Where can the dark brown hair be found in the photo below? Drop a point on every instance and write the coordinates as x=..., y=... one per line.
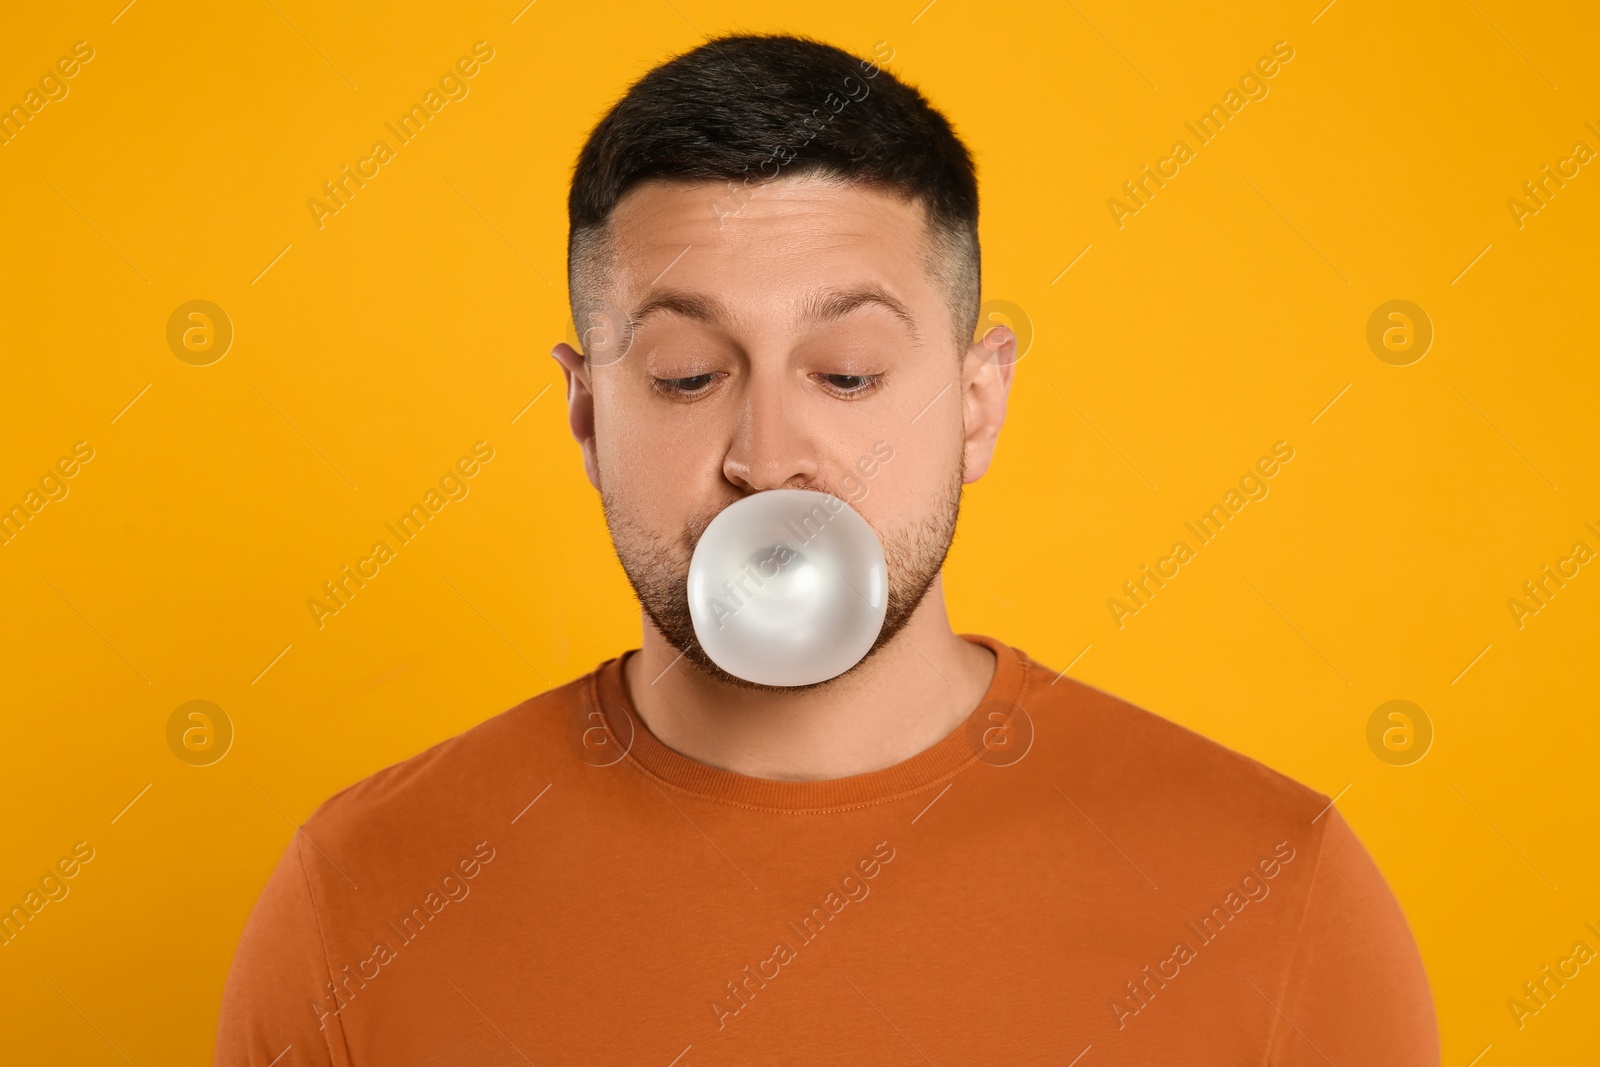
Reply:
x=748, y=108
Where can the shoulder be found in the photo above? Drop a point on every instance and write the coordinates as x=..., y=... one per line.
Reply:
x=1162, y=779
x=453, y=786
x=1214, y=827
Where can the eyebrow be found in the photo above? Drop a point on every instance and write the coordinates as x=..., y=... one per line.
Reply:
x=820, y=306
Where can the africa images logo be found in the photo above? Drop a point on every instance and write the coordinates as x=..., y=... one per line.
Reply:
x=452, y=887
x=1142, y=991
x=853, y=888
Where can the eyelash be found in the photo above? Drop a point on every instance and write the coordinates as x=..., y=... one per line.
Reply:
x=674, y=387
x=871, y=383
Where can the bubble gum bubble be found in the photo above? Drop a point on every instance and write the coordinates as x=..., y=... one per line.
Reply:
x=788, y=587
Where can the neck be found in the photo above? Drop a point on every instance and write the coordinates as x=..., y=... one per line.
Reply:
x=907, y=696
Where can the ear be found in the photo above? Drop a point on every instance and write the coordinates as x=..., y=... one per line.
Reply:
x=580, y=406
x=985, y=384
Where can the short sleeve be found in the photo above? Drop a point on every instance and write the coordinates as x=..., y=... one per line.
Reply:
x=1356, y=990
x=276, y=997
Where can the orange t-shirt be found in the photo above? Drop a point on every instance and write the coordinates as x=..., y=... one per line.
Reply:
x=1065, y=879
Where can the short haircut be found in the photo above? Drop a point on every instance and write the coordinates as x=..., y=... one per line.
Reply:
x=743, y=108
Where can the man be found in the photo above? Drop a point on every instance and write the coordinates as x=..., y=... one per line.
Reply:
x=949, y=854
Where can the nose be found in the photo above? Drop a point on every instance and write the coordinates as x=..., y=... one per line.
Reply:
x=772, y=448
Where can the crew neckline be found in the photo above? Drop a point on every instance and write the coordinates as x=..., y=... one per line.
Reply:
x=945, y=758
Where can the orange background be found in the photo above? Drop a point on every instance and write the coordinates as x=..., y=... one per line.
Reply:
x=370, y=354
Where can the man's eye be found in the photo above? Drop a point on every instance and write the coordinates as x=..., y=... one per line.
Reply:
x=852, y=384
x=683, y=386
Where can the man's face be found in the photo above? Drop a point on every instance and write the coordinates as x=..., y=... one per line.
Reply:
x=795, y=344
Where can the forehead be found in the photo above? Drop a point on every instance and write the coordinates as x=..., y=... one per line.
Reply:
x=766, y=250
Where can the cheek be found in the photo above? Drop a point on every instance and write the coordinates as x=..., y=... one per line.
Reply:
x=655, y=469
x=913, y=488
x=632, y=445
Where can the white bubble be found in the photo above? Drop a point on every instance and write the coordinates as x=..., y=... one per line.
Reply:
x=788, y=587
